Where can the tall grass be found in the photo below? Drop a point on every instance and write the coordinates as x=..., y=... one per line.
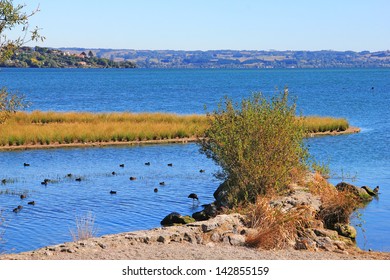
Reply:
x=65, y=128
x=314, y=124
x=81, y=127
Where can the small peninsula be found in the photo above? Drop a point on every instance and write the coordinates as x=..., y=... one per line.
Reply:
x=38, y=57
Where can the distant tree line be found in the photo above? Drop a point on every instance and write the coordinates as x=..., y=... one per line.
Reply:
x=38, y=57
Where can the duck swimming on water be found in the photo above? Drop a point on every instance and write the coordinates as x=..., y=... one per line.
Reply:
x=193, y=196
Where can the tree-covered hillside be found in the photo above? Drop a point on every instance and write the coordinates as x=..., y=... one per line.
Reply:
x=38, y=57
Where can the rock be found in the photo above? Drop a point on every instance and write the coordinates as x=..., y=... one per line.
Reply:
x=215, y=237
x=199, y=239
x=359, y=192
x=221, y=195
x=339, y=244
x=370, y=191
x=321, y=232
x=325, y=243
x=176, y=238
x=226, y=240
x=209, y=211
x=189, y=238
x=200, y=216
x=209, y=226
x=237, y=240
x=346, y=230
x=304, y=243
x=176, y=218
x=162, y=239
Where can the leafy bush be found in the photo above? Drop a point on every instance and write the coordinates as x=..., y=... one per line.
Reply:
x=258, y=143
x=10, y=103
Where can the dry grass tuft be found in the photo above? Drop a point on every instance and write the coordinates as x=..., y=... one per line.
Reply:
x=85, y=227
x=274, y=228
x=337, y=206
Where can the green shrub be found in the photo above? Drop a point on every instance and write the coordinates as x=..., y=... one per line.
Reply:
x=257, y=143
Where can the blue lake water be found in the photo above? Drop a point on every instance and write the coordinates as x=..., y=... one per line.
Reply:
x=360, y=95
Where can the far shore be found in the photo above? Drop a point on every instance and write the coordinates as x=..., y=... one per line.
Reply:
x=350, y=130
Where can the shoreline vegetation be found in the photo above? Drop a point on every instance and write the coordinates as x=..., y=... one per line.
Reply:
x=37, y=129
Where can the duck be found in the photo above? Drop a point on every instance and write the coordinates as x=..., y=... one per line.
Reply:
x=31, y=202
x=23, y=196
x=112, y=192
x=121, y=165
x=4, y=181
x=113, y=173
x=162, y=183
x=202, y=171
x=69, y=175
x=193, y=196
x=170, y=164
x=45, y=182
x=26, y=164
x=17, y=209
x=155, y=189
x=147, y=163
x=78, y=179
x=132, y=178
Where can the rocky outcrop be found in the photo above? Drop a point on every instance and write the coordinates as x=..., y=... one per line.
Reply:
x=364, y=193
x=229, y=229
x=346, y=230
x=209, y=211
x=371, y=192
x=175, y=218
x=232, y=229
x=221, y=195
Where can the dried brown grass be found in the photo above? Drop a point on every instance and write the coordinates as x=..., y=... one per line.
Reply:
x=275, y=229
x=337, y=206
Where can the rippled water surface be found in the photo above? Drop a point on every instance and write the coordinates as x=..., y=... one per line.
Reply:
x=360, y=95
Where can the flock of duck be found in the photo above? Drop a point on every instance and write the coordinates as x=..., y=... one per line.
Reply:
x=45, y=182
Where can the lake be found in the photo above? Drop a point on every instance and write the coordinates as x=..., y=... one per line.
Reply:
x=360, y=95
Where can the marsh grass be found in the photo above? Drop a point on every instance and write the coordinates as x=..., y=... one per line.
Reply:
x=66, y=128
x=43, y=128
x=85, y=227
x=314, y=124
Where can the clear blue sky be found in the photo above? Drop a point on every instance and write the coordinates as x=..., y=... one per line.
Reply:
x=215, y=24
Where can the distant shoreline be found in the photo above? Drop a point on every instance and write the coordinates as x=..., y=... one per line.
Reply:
x=185, y=140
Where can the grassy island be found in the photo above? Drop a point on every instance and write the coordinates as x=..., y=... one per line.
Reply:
x=45, y=128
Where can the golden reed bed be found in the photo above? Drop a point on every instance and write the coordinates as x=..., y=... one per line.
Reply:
x=42, y=129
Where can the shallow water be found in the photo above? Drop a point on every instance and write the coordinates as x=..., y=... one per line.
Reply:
x=360, y=95
x=134, y=206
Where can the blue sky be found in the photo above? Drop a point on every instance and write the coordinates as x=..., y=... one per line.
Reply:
x=215, y=24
